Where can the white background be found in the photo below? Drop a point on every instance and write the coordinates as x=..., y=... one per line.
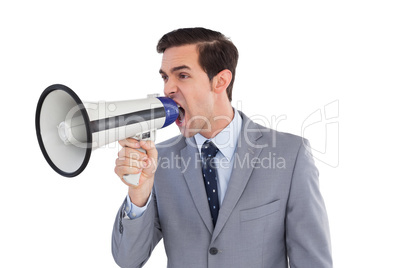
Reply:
x=296, y=57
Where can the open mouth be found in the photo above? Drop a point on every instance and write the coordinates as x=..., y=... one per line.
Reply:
x=182, y=113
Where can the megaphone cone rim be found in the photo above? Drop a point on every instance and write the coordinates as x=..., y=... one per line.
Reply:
x=88, y=151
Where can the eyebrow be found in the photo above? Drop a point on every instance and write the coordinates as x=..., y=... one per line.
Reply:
x=175, y=69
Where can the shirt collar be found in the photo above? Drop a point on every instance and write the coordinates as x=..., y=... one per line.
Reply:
x=226, y=140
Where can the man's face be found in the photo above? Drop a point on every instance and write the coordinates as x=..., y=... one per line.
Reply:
x=189, y=86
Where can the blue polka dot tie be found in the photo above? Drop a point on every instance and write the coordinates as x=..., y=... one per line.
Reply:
x=208, y=152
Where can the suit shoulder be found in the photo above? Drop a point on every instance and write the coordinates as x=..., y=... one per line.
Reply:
x=282, y=138
x=172, y=144
x=171, y=141
x=269, y=136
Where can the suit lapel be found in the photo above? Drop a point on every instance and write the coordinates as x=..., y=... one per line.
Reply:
x=241, y=172
x=191, y=169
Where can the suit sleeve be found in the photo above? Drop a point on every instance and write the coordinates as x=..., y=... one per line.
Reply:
x=307, y=228
x=133, y=240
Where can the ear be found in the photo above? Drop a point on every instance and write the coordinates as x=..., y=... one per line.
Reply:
x=221, y=81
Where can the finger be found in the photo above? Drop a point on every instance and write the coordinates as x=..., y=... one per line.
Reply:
x=124, y=170
x=124, y=161
x=130, y=142
x=150, y=148
x=152, y=153
x=131, y=153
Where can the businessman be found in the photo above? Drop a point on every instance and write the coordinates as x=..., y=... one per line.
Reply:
x=227, y=192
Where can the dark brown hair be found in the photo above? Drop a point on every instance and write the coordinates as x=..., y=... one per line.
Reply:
x=215, y=51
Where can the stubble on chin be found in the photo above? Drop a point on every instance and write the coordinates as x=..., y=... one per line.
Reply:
x=197, y=124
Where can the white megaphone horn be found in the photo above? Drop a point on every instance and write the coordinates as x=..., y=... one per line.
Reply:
x=68, y=130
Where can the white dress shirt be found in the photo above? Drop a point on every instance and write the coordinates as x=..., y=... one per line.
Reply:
x=226, y=141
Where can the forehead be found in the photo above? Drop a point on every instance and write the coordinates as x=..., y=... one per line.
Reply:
x=178, y=56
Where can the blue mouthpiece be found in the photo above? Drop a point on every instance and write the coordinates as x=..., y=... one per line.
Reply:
x=171, y=110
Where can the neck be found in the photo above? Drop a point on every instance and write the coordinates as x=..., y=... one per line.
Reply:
x=221, y=118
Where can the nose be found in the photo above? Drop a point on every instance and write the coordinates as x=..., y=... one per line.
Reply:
x=170, y=88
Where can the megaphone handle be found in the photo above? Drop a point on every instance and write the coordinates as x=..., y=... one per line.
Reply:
x=134, y=179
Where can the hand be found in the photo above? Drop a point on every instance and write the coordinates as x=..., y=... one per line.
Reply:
x=133, y=161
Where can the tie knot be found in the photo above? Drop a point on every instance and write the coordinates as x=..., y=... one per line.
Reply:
x=209, y=150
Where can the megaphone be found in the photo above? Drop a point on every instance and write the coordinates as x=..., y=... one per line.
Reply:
x=68, y=130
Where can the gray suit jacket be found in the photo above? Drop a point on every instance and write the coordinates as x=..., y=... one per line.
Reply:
x=272, y=215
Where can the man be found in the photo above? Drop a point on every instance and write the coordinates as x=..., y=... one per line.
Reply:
x=234, y=209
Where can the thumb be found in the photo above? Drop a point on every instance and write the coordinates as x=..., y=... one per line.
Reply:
x=152, y=154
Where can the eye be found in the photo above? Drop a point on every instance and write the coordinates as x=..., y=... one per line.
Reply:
x=164, y=77
x=183, y=76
